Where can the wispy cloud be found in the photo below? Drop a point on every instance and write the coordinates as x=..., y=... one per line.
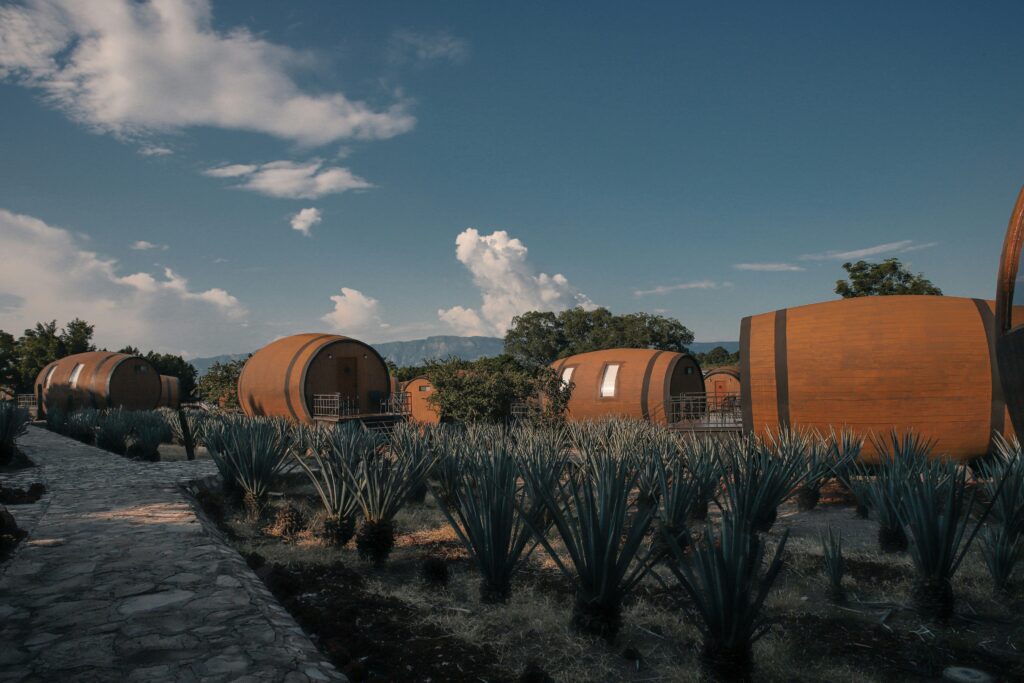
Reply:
x=666, y=289
x=406, y=45
x=769, y=267
x=143, y=245
x=887, y=248
x=155, y=151
x=134, y=68
x=291, y=179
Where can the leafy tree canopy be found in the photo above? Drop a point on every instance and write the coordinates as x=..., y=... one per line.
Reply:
x=540, y=337
x=220, y=383
x=486, y=389
x=717, y=357
x=881, y=279
x=22, y=360
x=172, y=366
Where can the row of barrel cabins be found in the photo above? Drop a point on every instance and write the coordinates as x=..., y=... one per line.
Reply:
x=871, y=365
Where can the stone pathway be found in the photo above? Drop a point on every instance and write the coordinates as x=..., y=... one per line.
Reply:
x=119, y=580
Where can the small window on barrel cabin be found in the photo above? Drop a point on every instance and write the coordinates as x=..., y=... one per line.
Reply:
x=424, y=387
x=74, y=375
x=611, y=373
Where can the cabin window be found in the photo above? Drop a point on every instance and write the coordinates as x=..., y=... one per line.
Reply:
x=689, y=371
x=424, y=387
x=49, y=376
x=74, y=375
x=567, y=375
x=611, y=373
x=141, y=369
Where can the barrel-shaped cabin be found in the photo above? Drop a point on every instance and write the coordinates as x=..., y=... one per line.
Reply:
x=660, y=386
x=876, y=364
x=312, y=376
x=170, y=392
x=722, y=386
x=98, y=379
x=419, y=390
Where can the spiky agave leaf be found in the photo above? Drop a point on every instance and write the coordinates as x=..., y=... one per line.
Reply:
x=722, y=577
x=703, y=457
x=603, y=535
x=1002, y=552
x=937, y=512
x=410, y=442
x=1007, y=467
x=849, y=471
x=335, y=456
x=382, y=484
x=902, y=457
x=489, y=515
x=835, y=566
x=761, y=475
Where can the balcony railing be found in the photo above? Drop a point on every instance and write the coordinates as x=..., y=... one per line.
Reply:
x=711, y=410
x=336, y=406
x=28, y=402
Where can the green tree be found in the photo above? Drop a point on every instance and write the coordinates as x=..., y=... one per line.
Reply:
x=540, y=337
x=37, y=348
x=8, y=360
x=717, y=357
x=882, y=279
x=76, y=337
x=175, y=366
x=486, y=389
x=220, y=383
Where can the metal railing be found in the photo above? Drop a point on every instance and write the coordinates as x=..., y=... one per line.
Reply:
x=706, y=410
x=398, y=403
x=334, y=406
x=28, y=402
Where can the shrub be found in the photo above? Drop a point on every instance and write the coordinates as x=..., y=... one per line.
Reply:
x=722, y=577
x=81, y=425
x=145, y=441
x=602, y=532
x=113, y=427
x=13, y=423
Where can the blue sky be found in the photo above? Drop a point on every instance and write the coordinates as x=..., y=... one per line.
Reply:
x=702, y=161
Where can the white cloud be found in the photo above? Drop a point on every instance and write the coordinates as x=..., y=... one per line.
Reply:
x=132, y=68
x=507, y=284
x=49, y=275
x=291, y=179
x=887, y=248
x=143, y=245
x=406, y=45
x=353, y=313
x=155, y=151
x=769, y=267
x=666, y=289
x=306, y=219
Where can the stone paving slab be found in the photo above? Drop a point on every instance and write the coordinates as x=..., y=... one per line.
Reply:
x=119, y=580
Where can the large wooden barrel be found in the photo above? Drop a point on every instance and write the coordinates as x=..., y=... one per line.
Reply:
x=420, y=409
x=99, y=379
x=170, y=392
x=638, y=383
x=282, y=378
x=875, y=364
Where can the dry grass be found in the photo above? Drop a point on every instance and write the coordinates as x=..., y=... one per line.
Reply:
x=534, y=625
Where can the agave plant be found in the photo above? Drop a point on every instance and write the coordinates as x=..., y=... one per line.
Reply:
x=849, y=471
x=760, y=476
x=382, y=484
x=703, y=455
x=722, y=577
x=677, y=495
x=1002, y=552
x=56, y=418
x=81, y=425
x=408, y=441
x=494, y=519
x=937, y=511
x=1006, y=469
x=835, y=566
x=902, y=458
x=13, y=423
x=249, y=455
x=335, y=457
x=603, y=534
x=187, y=428
x=113, y=429
x=819, y=469
x=145, y=441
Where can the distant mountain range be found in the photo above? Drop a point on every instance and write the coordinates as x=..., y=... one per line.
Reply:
x=418, y=351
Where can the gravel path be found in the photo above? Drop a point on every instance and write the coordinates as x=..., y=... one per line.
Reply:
x=119, y=580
